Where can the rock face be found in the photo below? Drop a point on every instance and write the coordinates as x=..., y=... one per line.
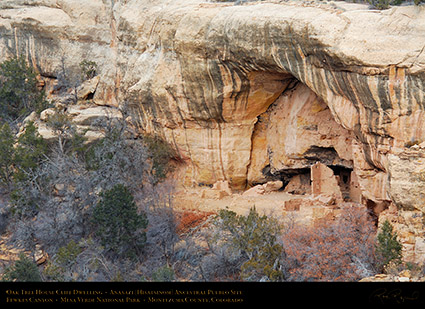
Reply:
x=248, y=93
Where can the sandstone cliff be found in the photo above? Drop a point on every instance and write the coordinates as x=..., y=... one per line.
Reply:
x=255, y=92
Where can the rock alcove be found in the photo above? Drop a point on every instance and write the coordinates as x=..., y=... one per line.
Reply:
x=295, y=133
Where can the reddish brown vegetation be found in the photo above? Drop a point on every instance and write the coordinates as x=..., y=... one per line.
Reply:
x=332, y=250
x=189, y=220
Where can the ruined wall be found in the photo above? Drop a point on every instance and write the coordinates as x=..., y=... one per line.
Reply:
x=297, y=131
x=323, y=181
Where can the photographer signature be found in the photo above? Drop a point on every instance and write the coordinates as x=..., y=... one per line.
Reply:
x=384, y=295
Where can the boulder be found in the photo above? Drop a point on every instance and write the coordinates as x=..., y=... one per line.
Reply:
x=254, y=191
x=88, y=88
x=324, y=199
x=271, y=186
x=44, y=115
x=92, y=115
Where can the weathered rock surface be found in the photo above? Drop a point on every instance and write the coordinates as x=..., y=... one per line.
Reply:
x=249, y=93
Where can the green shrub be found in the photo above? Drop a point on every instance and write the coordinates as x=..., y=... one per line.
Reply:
x=63, y=261
x=67, y=255
x=388, y=248
x=385, y=4
x=7, y=140
x=19, y=95
x=163, y=274
x=160, y=153
x=69, y=140
x=256, y=237
x=24, y=270
x=19, y=155
x=88, y=69
x=118, y=225
x=380, y=4
x=31, y=149
x=79, y=261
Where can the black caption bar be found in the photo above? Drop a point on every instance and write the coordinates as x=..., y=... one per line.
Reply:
x=214, y=293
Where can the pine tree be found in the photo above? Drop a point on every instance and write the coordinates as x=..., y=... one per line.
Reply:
x=19, y=155
x=7, y=140
x=388, y=247
x=19, y=95
x=24, y=270
x=256, y=237
x=30, y=151
x=118, y=225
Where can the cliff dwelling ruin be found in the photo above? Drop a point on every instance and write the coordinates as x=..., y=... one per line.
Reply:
x=297, y=140
x=280, y=143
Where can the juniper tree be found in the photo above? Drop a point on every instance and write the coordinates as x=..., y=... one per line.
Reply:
x=252, y=244
x=118, y=224
x=24, y=270
x=7, y=141
x=54, y=201
x=388, y=248
x=19, y=155
x=19, y=95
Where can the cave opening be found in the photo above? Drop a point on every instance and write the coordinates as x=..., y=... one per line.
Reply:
x=295, y=133
x=325, y=155
x=297, y=130
x=338, y=179
x=296, y=181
